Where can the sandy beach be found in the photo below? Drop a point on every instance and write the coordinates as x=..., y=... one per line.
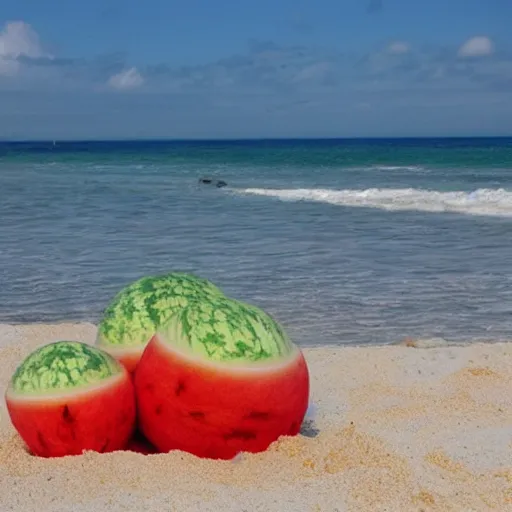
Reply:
x=395, y=428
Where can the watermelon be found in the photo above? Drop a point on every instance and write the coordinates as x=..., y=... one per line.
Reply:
x=67, y=397
x=218, y=378
x=139, y=444
x=137, y=311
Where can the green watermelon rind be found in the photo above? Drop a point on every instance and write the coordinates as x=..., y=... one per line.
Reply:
x=136, y=312
x=226, y=330
x=63, y=366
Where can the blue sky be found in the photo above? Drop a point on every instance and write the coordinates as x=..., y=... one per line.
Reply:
x=216, y=69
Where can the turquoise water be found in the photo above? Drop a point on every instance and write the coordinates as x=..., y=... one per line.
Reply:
x=351, y=241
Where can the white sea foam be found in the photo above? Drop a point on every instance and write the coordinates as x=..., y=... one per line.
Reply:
x=489, y=202
x=411, y=168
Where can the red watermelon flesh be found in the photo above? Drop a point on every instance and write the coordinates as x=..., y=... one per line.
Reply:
x=213, y=407
x=67, y=397
x=127, y=357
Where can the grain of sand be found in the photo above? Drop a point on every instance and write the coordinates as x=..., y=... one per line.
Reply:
x=393, y=428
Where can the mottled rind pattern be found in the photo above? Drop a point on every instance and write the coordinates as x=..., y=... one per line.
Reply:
x=63, y=365
x=139, y=309
x=225, y=329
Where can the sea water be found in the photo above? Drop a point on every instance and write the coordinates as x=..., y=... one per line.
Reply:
x=343, y=241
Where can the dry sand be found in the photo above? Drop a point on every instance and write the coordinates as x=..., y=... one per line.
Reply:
x=394, y=428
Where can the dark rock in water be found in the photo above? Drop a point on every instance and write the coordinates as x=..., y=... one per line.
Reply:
x=210, y=181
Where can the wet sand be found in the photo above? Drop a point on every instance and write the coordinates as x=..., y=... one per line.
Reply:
x=390, y=428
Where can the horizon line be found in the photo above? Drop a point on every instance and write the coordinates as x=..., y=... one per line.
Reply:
x=250, y=139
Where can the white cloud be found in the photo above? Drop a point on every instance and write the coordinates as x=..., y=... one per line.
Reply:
x=398, y=48
x=477, y=46
x=128, y=79
x=312, y=72
x=18, y=39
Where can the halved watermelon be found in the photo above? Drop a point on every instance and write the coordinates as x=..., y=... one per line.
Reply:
x=67, y=397
x=219, y=378
x=136, y=312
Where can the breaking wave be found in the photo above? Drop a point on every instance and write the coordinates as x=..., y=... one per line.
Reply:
x=484, y=201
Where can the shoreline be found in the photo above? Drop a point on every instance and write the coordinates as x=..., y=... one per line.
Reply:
x=401, y=427
x=409, y=341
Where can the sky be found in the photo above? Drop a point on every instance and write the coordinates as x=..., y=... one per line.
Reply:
x=117, y=69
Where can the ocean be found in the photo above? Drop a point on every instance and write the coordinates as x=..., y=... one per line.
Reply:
x=343, y=241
